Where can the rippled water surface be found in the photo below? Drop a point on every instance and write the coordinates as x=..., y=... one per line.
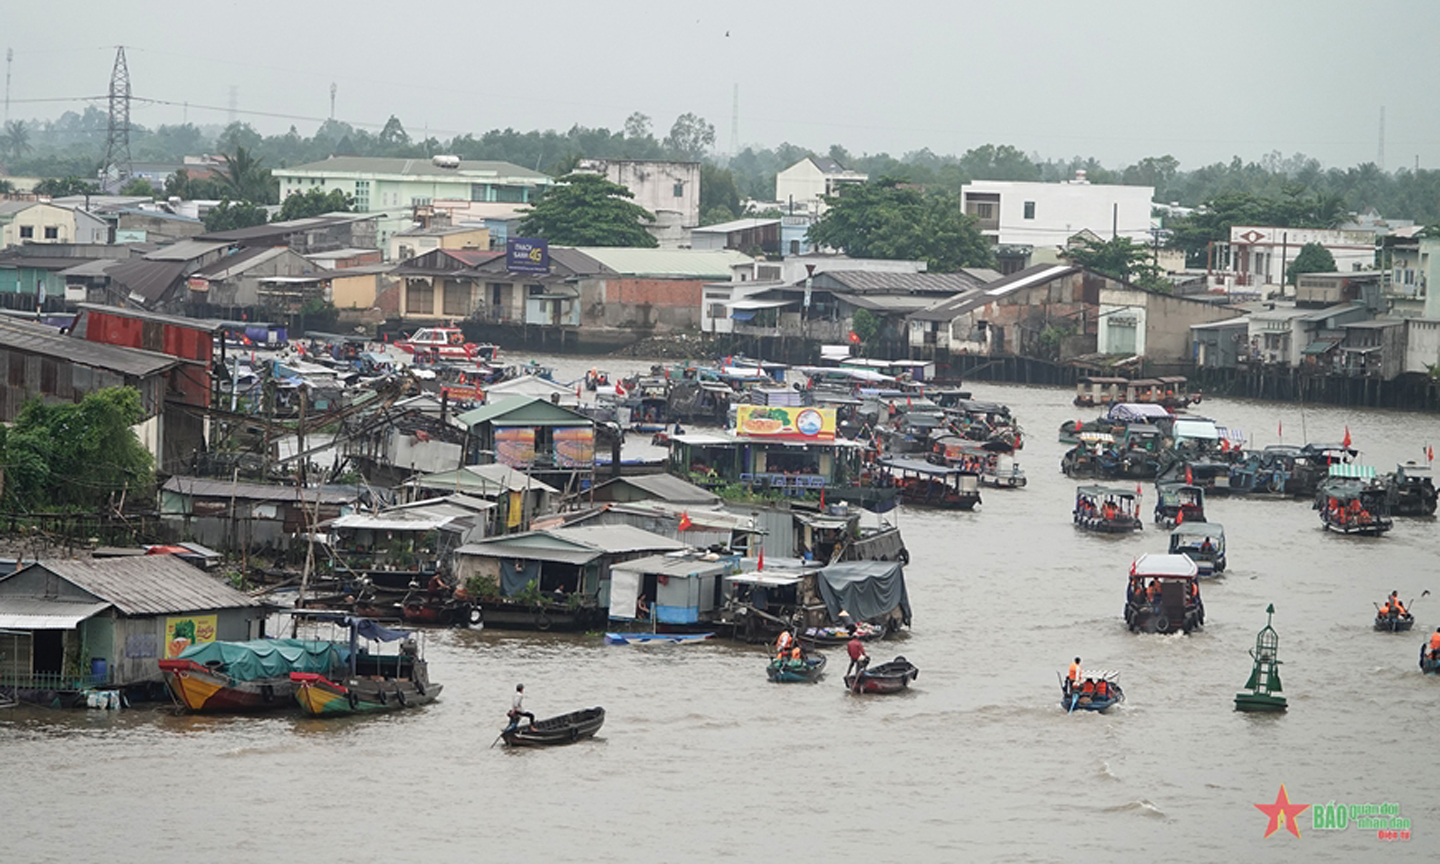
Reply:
x=702, y=759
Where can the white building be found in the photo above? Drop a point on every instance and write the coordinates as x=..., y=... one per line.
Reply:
x=1257, y=257
x=802, y=184
x=660, y=187
x=1016, y=213
x=752, y=277
x=24, y=222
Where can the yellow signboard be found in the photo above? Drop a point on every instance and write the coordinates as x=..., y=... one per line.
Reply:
x=181, y=633
x=794, y=424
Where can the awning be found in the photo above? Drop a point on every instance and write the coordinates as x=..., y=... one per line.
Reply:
x=1320, y=346
x=742, y=314
x=27, y=613
x=765, y=580
x=761, y=304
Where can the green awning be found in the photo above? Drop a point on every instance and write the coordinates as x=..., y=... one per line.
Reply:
x=1320, y=346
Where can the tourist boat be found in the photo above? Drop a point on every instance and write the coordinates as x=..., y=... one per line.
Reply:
x=212, y=677
x=1412, y=492
x=1081, y=701
x=621, y=638
x=1191, y=538
x=1264, y=683
x=807, y=669
x=926, y=485
x=553, y=731
x=1178, y=503
x=373, y=682
x=889, y=677
x=1090, y=457
x=1174, y=603
x=1394, y=621
x=446, y=342
x=1107, y=510
x=1351, y=508
x=1093, y=391
x=1002, y=472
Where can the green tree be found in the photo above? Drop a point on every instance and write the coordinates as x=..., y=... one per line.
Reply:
x=139, y=186
x=15, y=142
x=75, y=456
x=883, y=219
x=239, y=136
x=866, y=325
x=690, y=137
x=314, y=202
x=1313, y=258
x=59, y=187
x=6, y=187
x=718, y=192
x=394, y=133
x=588, y=210
x=246, y=179
x=230, y=215
x=637, y=125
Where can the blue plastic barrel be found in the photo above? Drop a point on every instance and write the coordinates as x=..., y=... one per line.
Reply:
x=99, y=674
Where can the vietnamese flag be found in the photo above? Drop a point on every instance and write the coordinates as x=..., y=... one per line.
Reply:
x=1180, y=515
x=760, y=565
x=1190, y=478
x=685, y=523
x=1346, y=441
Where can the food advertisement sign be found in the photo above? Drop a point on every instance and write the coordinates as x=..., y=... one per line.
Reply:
x=181, y=633
x=796, y=424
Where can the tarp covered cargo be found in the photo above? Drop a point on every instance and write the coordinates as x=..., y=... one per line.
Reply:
x=266, y=658
x=864, y=589
x=1136, y=412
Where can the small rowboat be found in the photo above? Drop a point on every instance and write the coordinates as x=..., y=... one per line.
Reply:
x=647, y=638
x=1394, y=623
x=807, y=670
x=1081, y=701
x=889, y=677
x=1428, y=664
x=552, y=731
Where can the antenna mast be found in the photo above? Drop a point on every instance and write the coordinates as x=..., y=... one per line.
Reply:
x=117, y=130
x=735, y=123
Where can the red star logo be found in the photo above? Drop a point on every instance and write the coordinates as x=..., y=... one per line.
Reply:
x=1282, y=813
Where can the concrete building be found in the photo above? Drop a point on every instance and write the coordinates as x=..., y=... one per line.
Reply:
x=1287, y=335
x=1218, y=344
x=658, y=186
x=24, y=222
x=378, y=183
x=1040, y=215
x=1256, y=259
x=803, y=185
x=744, y=235
x=1422, y=345
x=418, y=241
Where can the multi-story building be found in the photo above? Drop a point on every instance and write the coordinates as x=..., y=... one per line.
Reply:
x=657, y=186
x=802, y=185
x=1256, y=259
x=24, y=222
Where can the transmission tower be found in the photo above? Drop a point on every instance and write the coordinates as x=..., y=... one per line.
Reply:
x=117, y=131
x=1380, y=158
x=735, y=122
x=332, y=100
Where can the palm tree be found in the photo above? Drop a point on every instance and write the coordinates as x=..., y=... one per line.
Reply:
x=16, y=140
x=244, y=178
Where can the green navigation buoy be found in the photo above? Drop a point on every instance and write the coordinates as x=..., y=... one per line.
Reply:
x=1264, y=683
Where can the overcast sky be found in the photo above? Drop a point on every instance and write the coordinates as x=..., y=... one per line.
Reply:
x=1114, y=79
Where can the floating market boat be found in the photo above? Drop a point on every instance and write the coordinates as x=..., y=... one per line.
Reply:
x=553, y=731
x=807, y=669
x=211, y=677
x=1429, y=660
x=1351, y=501
x=927, y=485
x=1107, y=510
x=833, y=636
x=373, y=682
x=1264, y=683
x=1201, y=542
x=1178, y=503
x=1104, y=693
x=1164, y=595
x=889, y=677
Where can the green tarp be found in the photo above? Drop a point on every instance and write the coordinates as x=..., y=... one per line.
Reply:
x=266, y=658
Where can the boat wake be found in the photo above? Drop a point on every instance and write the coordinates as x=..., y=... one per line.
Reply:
x=1105, y=773
x=1139, y=806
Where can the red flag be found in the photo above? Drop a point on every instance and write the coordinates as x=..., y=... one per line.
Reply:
x=760, y=565
x=1279, y=429
x=822, y=497
x=1189, y=477
x=577, y=390
x=1138, y=490
x=1180, y=516
x=1429, y=453
x=1346, y=441
x=685, y=522
x=619, y=388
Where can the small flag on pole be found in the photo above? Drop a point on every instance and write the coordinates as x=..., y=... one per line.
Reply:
x=1346, y=441
x=760, y=564
x=1189, y=477
x=685, y=523
x=1180, y=516
x=1429, y=453
x=1280, y=429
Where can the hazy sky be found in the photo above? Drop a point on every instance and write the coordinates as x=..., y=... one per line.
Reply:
x=1114, y=79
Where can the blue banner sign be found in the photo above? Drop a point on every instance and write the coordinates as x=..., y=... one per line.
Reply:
x=523, y=255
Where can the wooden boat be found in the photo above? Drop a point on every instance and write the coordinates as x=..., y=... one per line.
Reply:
x=1106, y=510
x=1353, y=507
x=553, y=731
x=656, y=638
x=807, y=669
x=449, y=613
x=1411, y=490
x=222, y=677
x=926, y=485
x=373, y=682
x=1178, y=503
x=1429, y=664
x=1175, y=603
x=1080, y=701
x=1394, y=623
x=889, y=677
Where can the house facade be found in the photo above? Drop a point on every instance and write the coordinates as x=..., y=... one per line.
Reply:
x=803, y=185
x=1028, y=216
x=658, y=186
x=1257, y=258
x=24, y=222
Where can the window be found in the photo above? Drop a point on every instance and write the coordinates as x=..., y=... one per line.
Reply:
x=457, y=299
x=27, y=232
x=794, y=247
x=1029, y=209
x=498, y=290
x=534, y=290
x=52, y=232
x=717, y=310
x=420, y=298
x=509, y=194
x=679, y=190
x=985, y=210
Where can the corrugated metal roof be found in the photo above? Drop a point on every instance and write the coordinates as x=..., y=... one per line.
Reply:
x=185, y=250
x=91, y=268
x=149, y=280
x=34, y=613
x=904, y=283
x=47, y=342
x=665, y=487
x=484, y=480
x=617, y=538
x=468, y=168
x=239, y=261
x=674, y=263
x=679, y=566
x=534, y=546
x=201, y=487
x=737, y=225
x=524, y=411
x=209, y=325
x=148, y=585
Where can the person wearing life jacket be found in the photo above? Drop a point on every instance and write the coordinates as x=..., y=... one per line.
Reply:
x=796, y=654
x=783, y=643
x=1393, y=606
x=1435, y=644
x=1152, y=591
x=1087, y=690
x=1102, y=689
x=1072, y=677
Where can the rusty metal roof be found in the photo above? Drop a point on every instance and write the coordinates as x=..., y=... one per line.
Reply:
x=147, y=585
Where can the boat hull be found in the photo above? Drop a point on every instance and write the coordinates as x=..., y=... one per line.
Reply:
x=1090, y=703
x=1394, y=625
x=1259, y=702
x=556, y=731
x=884, y=679
x=320, y=697
x=204, y=691
x=807, y=671
x=1100, y=525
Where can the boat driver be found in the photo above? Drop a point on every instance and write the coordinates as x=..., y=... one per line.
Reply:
x=517, y=707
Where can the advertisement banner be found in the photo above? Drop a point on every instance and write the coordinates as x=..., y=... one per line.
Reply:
x=525, y=255
x=575, y=446
x=181, y=633
x=515, y=447
x=797, y=424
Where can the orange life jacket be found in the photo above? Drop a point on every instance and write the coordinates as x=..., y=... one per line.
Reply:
x=1435, y=642
x=1088, y=687
x=1074, y=671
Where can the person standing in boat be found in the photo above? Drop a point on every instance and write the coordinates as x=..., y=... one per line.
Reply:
x=1073, y=677
x=1393, y=606
x=858, y=658
x=1435, y=644
x=517, y=707
x=783, y=643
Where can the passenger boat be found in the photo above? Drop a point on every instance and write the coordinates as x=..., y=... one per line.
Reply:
x=618, y=638
x=1002, y=472
x=373, y=682
x=1412, y=492
x=1090, y=458
x=889, y=677
x=1201, y=542
x=1429, y=662
x=1107, y=510
x=1354, y=506
x=1178, y=503
x=1082, y=701
x=213, y=677
x=807, y=669
x=553, y=731
x=926, y=485
x=1394, y=621
x=1164, y=595
x=446, y=342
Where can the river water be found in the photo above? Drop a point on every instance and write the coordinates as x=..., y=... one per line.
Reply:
x=701, y=759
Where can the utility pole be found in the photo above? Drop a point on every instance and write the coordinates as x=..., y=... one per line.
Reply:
x=332, y=100
x=9, y=59
x=735, y=123
x=117, y=130
x=1380, y=158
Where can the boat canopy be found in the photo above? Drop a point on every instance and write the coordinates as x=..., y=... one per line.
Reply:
x=765, y=580
x=864, y=589
x=1165, y=565
x=1103, y=491
x=916, y=466
x=265, y=658
x=362, y=627
x=1131, y=412
x=1205, y=430
x=1097, y=674
x=1199, y=529
x=1353, y=472
x=1096, y=437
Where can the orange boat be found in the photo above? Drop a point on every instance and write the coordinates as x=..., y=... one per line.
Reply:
x=224, y=677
